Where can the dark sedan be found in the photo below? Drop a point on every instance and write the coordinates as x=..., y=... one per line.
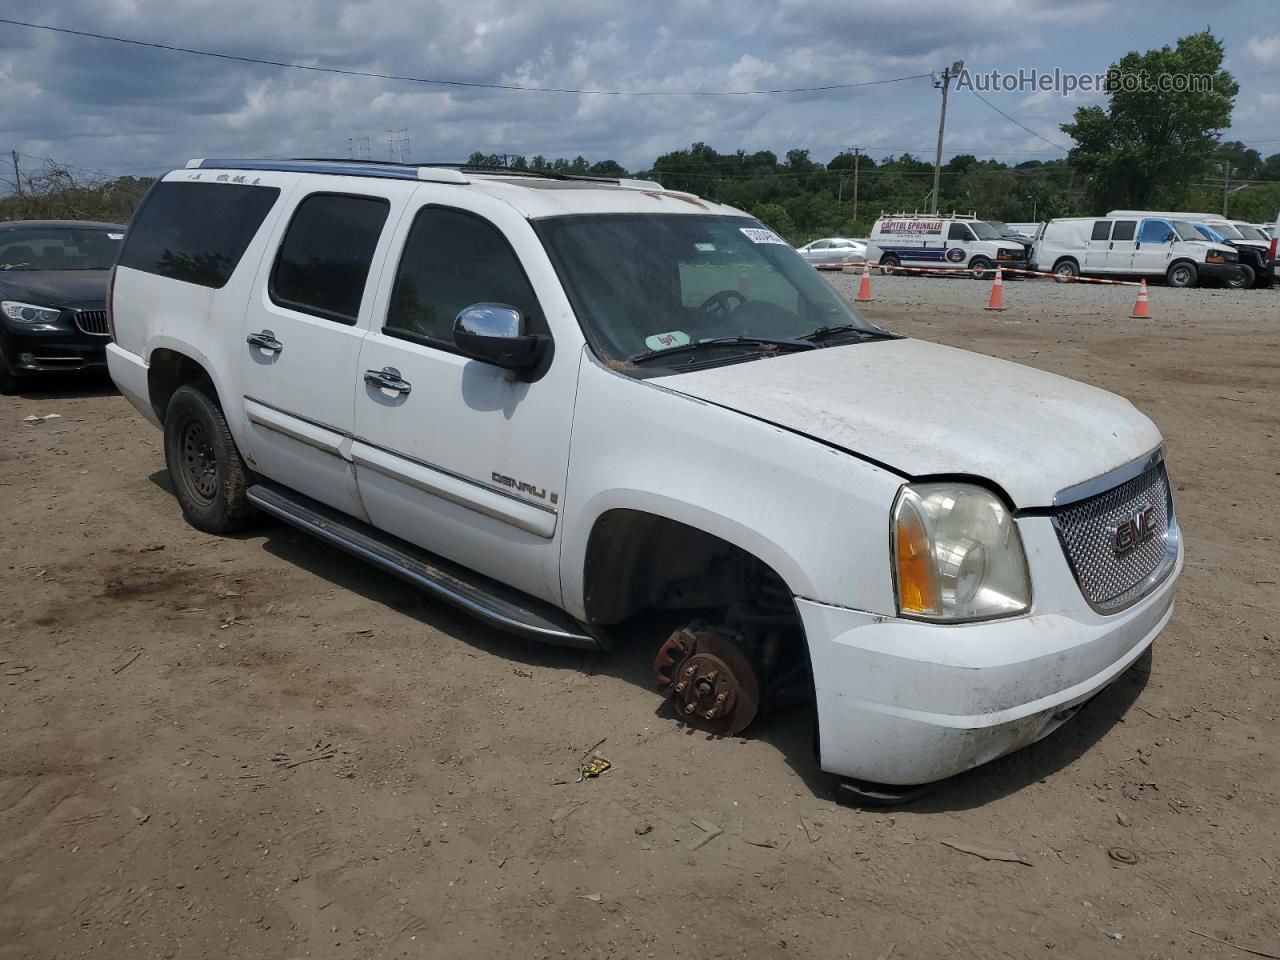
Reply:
x=53, y=296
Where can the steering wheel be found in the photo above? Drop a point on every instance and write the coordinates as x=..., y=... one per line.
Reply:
x=719, y=303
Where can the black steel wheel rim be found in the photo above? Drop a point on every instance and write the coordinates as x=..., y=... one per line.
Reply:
x=199, y=460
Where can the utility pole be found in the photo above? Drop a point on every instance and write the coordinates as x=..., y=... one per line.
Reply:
x=17, y=174
x=857, y=155
x=948, y=74
x=1226, y=184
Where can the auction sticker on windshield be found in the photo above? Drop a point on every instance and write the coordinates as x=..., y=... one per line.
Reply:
x=665, y=341
x=760, y=235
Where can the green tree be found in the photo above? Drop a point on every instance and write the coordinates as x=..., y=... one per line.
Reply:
x=1154, y=136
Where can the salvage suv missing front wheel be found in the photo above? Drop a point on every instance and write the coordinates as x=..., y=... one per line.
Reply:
x=567, y=404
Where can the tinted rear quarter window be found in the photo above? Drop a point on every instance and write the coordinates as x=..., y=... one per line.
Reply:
x=326, y=253
x=196, y=232
x=1124, y=230
x=1102, y=230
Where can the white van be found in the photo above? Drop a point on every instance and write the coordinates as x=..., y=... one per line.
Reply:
x=1134, y=247
x=1275, y=254
x=933, y=240
x=1250, y=243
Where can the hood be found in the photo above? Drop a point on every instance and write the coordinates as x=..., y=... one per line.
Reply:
x=55, y=288
x=925, y=409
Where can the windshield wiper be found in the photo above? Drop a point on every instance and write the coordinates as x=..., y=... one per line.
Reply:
x=827, y=333
x=762, y=342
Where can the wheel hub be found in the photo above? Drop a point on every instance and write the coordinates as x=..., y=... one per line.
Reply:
x=711, y=684
x=200, y=460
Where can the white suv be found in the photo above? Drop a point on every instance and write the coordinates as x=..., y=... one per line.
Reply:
x=561, y=403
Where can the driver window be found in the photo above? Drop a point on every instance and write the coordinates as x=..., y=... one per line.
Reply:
x=1155, y=231
x=959, y=231
x=451, y=260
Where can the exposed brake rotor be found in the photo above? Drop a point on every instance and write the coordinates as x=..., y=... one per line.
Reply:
x=710, y=681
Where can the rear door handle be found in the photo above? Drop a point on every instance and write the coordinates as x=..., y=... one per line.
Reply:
x=388, y=378
x=266, y=340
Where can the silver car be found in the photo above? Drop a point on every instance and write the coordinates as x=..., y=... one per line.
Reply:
x=833, y=251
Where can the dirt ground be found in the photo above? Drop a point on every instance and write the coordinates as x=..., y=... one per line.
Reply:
x=259, y=748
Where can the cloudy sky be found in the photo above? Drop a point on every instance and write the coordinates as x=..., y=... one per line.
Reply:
x=115, y=108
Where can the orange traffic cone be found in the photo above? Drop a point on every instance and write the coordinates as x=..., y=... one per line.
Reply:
x=864, y=287
x=1142, y=308
x=996, y=302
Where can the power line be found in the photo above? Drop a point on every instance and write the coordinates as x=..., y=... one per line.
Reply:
x=1019, y=123
x=285, y=64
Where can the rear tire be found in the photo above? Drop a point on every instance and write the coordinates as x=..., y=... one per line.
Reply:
x=1243, y=279
x=1064, y=271
x=1182, y=275
x=209, y=476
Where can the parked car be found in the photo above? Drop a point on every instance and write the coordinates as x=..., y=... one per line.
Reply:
x=1250, y=245
x=1133, y=247
x=930, y=240
x=833, y=251
x=566, y=409
x=1275, y=254
x=53, y=292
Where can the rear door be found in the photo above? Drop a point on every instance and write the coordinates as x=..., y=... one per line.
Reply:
x=1095, y=253
x=306, y=319
x=1124, y=235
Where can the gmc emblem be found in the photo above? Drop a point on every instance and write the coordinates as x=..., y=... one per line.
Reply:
x=1139, y=527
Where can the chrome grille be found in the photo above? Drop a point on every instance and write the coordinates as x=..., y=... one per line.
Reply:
x=1111, y=578
x=93, y=321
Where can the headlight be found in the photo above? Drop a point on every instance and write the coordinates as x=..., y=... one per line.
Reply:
x=957, y=554
x=29, y=312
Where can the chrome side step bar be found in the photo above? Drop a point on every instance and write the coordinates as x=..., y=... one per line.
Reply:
x=487, y=600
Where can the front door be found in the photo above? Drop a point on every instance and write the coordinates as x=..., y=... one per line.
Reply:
x=302, y=338
x=457, y=455
x=1154, y=248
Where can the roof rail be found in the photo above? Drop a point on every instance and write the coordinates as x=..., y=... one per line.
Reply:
x=344, y=168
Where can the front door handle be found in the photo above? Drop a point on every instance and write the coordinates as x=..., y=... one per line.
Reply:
x=266, y=340
x=388, y=378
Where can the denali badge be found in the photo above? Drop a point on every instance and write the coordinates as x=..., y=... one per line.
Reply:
x=1139, y=527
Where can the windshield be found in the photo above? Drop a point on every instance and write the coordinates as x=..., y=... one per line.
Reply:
x=1252, y=233
x=1003, y=228
x=986, y=231
x=59, y=248
x=1209, y=233
x=1227, y=230
x=1186, y=231
x=643, y=283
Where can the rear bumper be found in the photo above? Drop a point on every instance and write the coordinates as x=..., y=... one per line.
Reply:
x=130, y=371
x=903, y=702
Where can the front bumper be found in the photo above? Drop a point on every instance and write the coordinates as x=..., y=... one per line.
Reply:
x=50, y=347
x=903, y=702
x=1217, y=271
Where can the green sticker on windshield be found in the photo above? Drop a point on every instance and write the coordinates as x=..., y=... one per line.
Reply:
x=665, y=341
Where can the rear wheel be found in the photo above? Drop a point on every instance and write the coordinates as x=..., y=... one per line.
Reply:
x=889, y=264
x=208, y=475
x=981, y=268
x=1183, y=275
x=1242, y=279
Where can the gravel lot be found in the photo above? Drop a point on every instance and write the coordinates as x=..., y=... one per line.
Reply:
x=256, y=748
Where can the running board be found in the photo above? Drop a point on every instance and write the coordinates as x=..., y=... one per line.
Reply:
x=487, y=600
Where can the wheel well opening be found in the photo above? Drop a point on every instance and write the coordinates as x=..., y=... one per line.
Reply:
x=645, y=570
x=168, y=371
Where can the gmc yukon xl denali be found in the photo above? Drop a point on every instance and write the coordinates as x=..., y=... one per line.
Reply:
x=565, y=403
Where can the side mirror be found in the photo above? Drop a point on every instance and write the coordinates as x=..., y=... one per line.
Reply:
x=495, y=333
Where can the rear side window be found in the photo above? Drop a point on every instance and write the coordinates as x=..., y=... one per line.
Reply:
x=326, y=253
x=1124, y=230
x=452, y=260
x=1101, y=230
x=196, y=232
